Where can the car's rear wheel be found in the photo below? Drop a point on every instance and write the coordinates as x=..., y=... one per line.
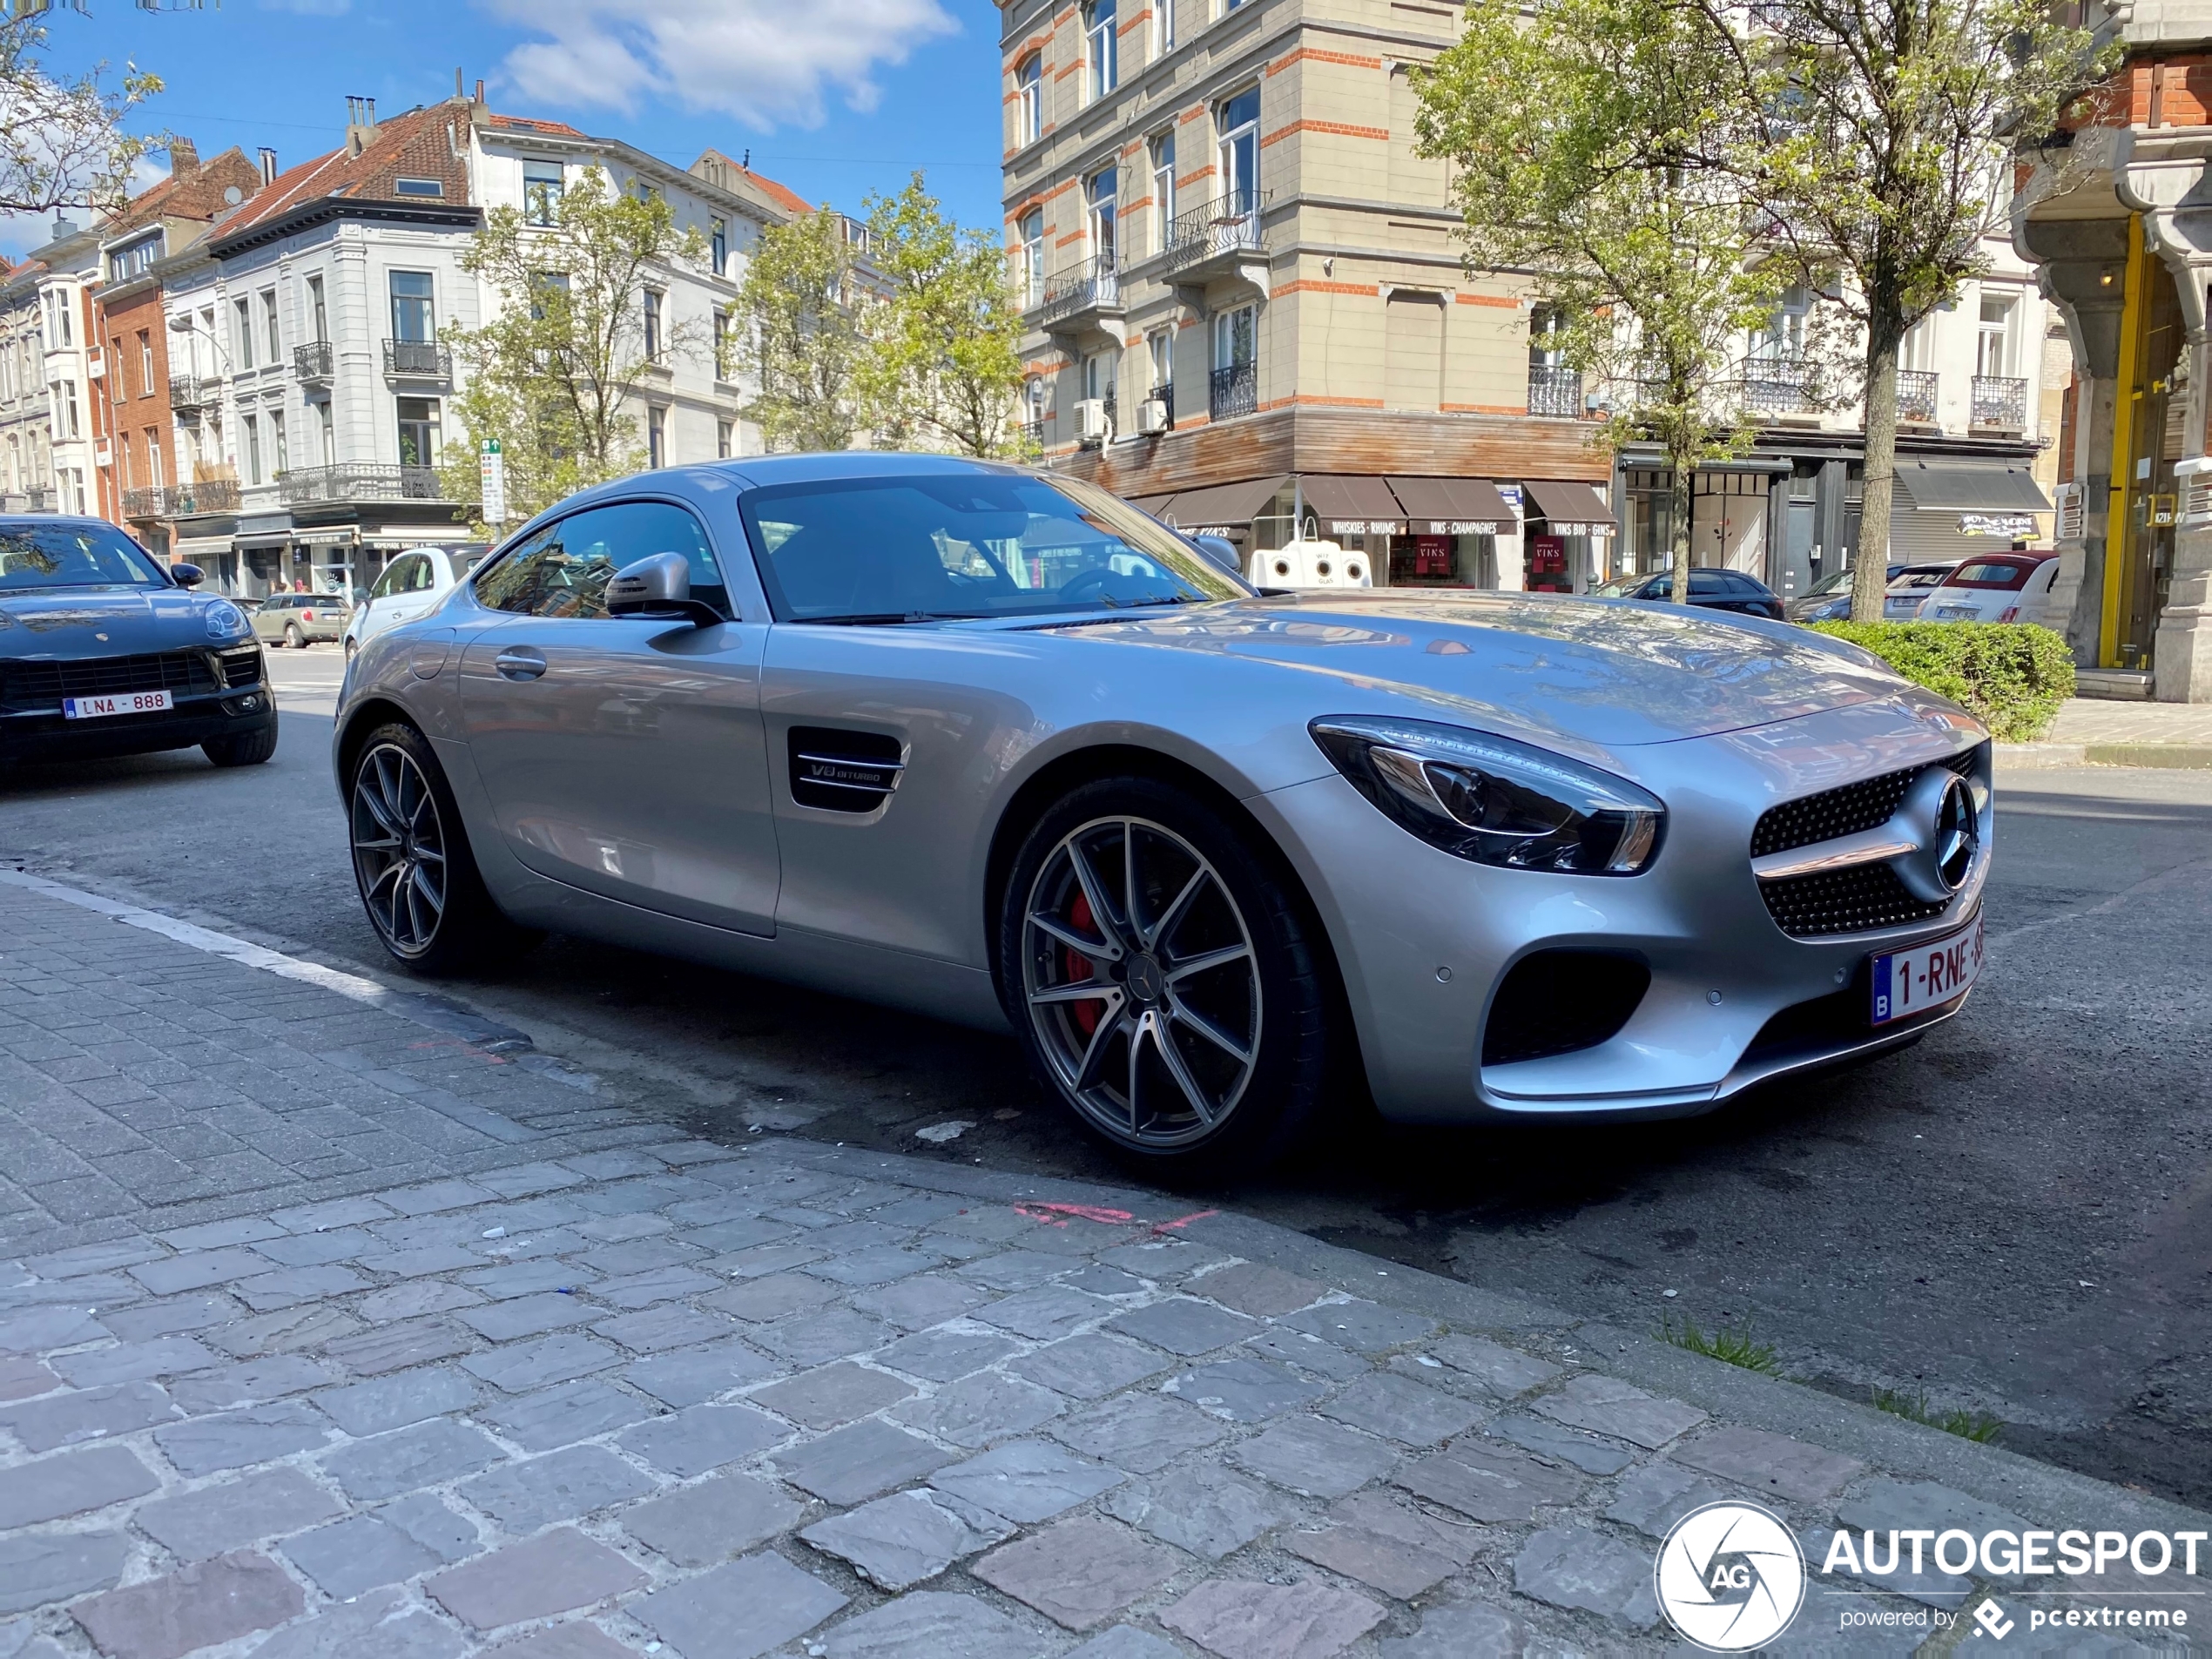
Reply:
x=418, y=881
x=1164, y=978
x=293, y=637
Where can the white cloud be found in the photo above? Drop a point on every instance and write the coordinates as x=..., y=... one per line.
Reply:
x=765, y=61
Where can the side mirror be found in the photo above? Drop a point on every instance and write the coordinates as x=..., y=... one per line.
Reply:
x=658, y=586
x=1221, y=550
x=187, y=575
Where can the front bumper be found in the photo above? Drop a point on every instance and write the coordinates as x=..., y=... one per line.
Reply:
x=45, y=735
x=1424, y=941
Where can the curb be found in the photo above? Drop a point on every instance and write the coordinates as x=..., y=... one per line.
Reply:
x=2033, y=757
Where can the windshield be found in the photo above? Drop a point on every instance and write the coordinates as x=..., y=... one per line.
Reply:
x=72, y=556
x=1619, y=586
x=966, y=545
x=1829, y=584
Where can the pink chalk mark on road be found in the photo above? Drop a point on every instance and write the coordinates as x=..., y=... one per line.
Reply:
x=1183, y=1221
x=1059, y=1215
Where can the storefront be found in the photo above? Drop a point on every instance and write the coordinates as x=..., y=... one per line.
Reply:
x=1570, y=528
x=1455, y=529
x=1940, y=512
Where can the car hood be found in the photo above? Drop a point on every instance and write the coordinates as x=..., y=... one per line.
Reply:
x=1603, y=672
x=101, y=622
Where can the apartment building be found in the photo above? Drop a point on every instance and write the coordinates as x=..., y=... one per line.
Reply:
x=309, y=374
x=50, y=371
x=139, y=483
x=26, y=426
x=1245, y=304
x=1247, y=310
x=2115, y=222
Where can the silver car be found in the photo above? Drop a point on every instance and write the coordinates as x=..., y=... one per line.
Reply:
x=990, y=744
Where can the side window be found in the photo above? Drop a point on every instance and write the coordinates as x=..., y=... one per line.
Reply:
x=420, y=577
x=563, y=570
x=1707, y=581
x=388, y=582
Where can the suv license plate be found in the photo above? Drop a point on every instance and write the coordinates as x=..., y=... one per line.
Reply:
x=1913, y=981
x=96, y=708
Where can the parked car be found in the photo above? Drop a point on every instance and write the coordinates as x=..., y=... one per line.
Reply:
x=1901, y=599
x=1711, y=588
x=411, y=585
x=1828, y=599
x=298, y=619
x=104, y=651
x=1994, y=587
x=985, y=742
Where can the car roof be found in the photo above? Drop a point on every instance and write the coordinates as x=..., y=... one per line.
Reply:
x=2025, y=561
x=1928, y=566
x=40, y=521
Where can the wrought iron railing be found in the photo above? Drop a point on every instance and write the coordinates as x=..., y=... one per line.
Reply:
x=1777, y=385
x=1916, y=395
x=1228, y=224
x=359, y=481
x=203, y=496
x=419, y=359
x=148, y=500
x=1093, y=284
x=1554, y=389
x=1999, y=401
x=313, y=361
x=189, y=392
x=1033, y=434
x=1234, y=390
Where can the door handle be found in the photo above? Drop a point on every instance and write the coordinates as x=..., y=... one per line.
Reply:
x=523, y=664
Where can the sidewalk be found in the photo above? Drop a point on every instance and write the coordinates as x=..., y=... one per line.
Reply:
x=590, y=1390
x=2096, y=732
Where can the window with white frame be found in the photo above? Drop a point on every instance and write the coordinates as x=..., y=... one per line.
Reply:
x=1236, y=337
x=318, y=311
x=718, y=245
x=1159, y=354
x=251, y=425
x=656, y=436
x=1100, y=192
x=724, y=439
x=326, y=431
x=1030, y=228
x=269, y=324
x=419, y=424
x=721, y=343
x=1783, y=337
x=1029, y=99
x=1102, y=48
x=242, y=333
x=1162, y=148
x=280, y=445
x=1993, y=343
x=1099, y=370
x=541, y=186
x=145, y=362
x=415, y=310
x=656, y=341
x=1162, y=27
x=1237, y=120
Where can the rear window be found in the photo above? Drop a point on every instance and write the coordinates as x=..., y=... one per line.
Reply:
x=1924, y=579
x=1987, y=573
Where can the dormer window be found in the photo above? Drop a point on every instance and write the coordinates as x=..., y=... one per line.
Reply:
x=418, y=187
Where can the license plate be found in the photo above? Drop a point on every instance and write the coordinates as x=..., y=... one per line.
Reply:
x=1913, y=981
x=99, y=708
x=1954, y=613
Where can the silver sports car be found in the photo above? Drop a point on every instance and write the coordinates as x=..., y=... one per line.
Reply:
x=988, y=743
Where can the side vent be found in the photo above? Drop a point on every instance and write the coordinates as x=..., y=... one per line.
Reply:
x=843, y=772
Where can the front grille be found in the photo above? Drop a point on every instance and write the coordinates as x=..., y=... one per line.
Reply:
x=1846, y=811
x=240, y=666
x=1863, y=898
x=28, y=686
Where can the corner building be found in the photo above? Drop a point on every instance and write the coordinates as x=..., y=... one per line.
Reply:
x=1243, y=297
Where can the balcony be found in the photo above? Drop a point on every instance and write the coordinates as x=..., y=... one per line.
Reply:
x=1234, y=390
x=1916, y=396
x=1033, y=434
x=312, y=362
x=1217, y=240
x=1554, y=390
x=1081, y=298
x=202, y=496
x=1777, y=385
x=188, y=394
x=36, y=500
x=358, y=480
x=150, y=501
x=2000, y=403
x=417, y=360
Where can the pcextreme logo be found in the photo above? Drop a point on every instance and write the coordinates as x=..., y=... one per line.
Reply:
x=1730, y=1576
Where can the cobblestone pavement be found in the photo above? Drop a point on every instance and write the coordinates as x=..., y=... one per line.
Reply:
x=546, y=1385
x=2089, y=719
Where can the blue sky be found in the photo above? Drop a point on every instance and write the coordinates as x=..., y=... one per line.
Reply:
x=833, y=98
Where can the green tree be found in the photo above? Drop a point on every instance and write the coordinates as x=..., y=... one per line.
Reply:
x=944, y=362
x=801, y=344
x=1594, y=144
x=1883, y=141
x=62, y=143
x=555, y=371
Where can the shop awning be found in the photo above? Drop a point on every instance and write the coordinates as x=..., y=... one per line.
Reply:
x=1223, y=507
x=1454, y=506
x=1971, y=489
x=1569, y=509
x=1351, y=505
x=1156, y=505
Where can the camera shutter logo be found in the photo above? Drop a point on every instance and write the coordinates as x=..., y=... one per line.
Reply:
x=1730, y=1576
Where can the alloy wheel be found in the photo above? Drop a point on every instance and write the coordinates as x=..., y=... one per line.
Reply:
x=399, y=849
x=1141, y=981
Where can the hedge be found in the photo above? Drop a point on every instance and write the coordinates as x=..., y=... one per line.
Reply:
x=2011, y=677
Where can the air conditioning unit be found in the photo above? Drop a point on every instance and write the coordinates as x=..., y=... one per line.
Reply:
x=1091, y=424
x=1152, y=417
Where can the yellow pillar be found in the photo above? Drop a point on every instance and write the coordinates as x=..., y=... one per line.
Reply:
x=2120, y=526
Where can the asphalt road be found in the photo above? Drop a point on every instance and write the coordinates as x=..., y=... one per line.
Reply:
x=2013, y=1218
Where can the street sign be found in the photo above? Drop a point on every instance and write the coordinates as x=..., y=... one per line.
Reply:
x=491, y=467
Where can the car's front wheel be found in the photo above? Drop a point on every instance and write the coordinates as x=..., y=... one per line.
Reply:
x=1166, y=978
x=418, y=881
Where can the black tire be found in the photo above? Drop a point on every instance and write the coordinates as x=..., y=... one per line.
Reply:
x=293, y=637
x=418, y=881
x=248, y=748
x=1249, y=1037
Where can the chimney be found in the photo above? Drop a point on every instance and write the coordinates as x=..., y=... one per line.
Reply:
x=361, y=123
x=480, y=92
x=268, y=167
x=184, y=158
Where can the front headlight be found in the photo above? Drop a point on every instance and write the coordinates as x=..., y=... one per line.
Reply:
x=1493, y=801
x=224, y=620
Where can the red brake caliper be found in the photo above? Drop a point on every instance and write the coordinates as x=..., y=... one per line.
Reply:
x=1079, y=965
